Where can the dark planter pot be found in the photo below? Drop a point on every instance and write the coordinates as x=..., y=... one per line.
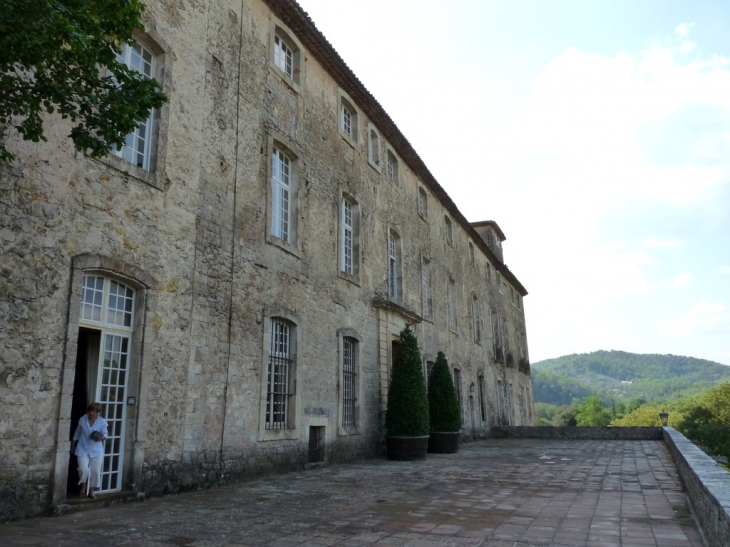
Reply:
x=443, y=442
x=406, y=449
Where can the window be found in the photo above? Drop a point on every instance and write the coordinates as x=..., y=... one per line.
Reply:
x=472, y=258
x=316, y=444
x=349, y=238
x=283, y=56
x=489, y=273
x=286, y=54
x=457, y=388
x=429, y=370
x=426, y=302
x=496, y=337
x=349, y=383
x=448, y=231
x=482, y=397
x=395, y=290
x=138, y=146
x=374, y=148
x=422, y=202
x=450, y=290
x=392, y=167
x=475, y=321
x=281, y=195
x=348, y=119
x=499, y=282
x=279, y=378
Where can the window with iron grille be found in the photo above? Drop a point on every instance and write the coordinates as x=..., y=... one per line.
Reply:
x=278, y=392
x=349, y=383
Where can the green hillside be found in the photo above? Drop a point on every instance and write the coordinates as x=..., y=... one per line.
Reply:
x=619, y=374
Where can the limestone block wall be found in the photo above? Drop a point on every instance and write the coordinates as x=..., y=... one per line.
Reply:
x=193, y=239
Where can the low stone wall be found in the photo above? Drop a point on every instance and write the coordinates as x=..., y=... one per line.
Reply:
x=579, y=433
x=707, y=484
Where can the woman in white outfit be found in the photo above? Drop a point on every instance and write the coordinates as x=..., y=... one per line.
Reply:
x=88, y=447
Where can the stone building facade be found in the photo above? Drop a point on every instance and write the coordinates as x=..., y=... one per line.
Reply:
x=230, y=284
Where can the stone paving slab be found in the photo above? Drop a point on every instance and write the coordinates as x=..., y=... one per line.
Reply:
x=501, y=493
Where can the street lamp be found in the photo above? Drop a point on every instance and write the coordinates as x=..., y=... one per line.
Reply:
x=664, y=417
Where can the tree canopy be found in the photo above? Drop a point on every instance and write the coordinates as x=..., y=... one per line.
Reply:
x=61, y=56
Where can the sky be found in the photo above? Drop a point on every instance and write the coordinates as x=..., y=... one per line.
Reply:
x=596, y=134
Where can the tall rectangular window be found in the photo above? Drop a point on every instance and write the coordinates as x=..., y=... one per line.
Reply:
x=482, y=397
x=283, y=56
x=496, y=337
x=422, y=202
x=348, y=381
x=346, y=120
x=448, y=231
x=347, y=237
x=394, y=279
x=137, y=145
x=457, y=387
x=426, y=288
x=450, y=290
x=278, y=383
x=392, y=168
x=475, y=320
x=281, y=194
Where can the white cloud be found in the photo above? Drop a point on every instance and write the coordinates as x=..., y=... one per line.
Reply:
x=682, y=30
x=707, y=318
x=680, y=281
x=659, y=243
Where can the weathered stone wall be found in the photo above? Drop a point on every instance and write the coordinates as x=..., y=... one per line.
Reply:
x=707, y=484
x=584, y=433
x=192, y=239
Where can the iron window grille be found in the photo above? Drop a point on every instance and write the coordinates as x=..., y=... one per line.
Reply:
x=348, y=381
x=279, y=375
x=316, y=444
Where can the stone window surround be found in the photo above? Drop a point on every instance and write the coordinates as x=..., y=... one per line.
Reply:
x=292, y=432
x=391, y=156
x=451, y=309
x=422, y=203
x=427, y=285
x=144, y=303
x=476, y=319
x=356, y=229
x=293, y=246
x=357, y=429
x=374, y=151
x=278, y=28
x=156, y=176
x=448, y=230
x=353, y=138
x=399, y=277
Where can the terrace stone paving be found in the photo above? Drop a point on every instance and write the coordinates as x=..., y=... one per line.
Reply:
x=502, y=493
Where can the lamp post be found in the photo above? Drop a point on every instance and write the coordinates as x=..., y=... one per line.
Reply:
x=664, y=417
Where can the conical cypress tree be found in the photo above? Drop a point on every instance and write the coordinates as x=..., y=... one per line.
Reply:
x=442, y=403
x=407, y=412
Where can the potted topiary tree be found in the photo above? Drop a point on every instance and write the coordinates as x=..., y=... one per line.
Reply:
x=443, y=408
x=406, y=417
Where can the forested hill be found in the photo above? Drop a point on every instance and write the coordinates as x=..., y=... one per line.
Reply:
x=619, y=374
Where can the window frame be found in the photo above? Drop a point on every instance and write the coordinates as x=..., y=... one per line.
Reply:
x=355, y=217
x=448, y=230
x=291, y=431
x=392, y=166
x=426, y=288
x=346, y=104
x=343, y=335
x=292, y=243
x=374, y=148
x=451, y=304
x=395, y=266
x=476, y=319
x=456, y=375
x=295, y=79
x=422, y=202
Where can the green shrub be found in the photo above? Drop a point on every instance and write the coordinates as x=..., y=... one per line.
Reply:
x=442, y=403
x=407, y=412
